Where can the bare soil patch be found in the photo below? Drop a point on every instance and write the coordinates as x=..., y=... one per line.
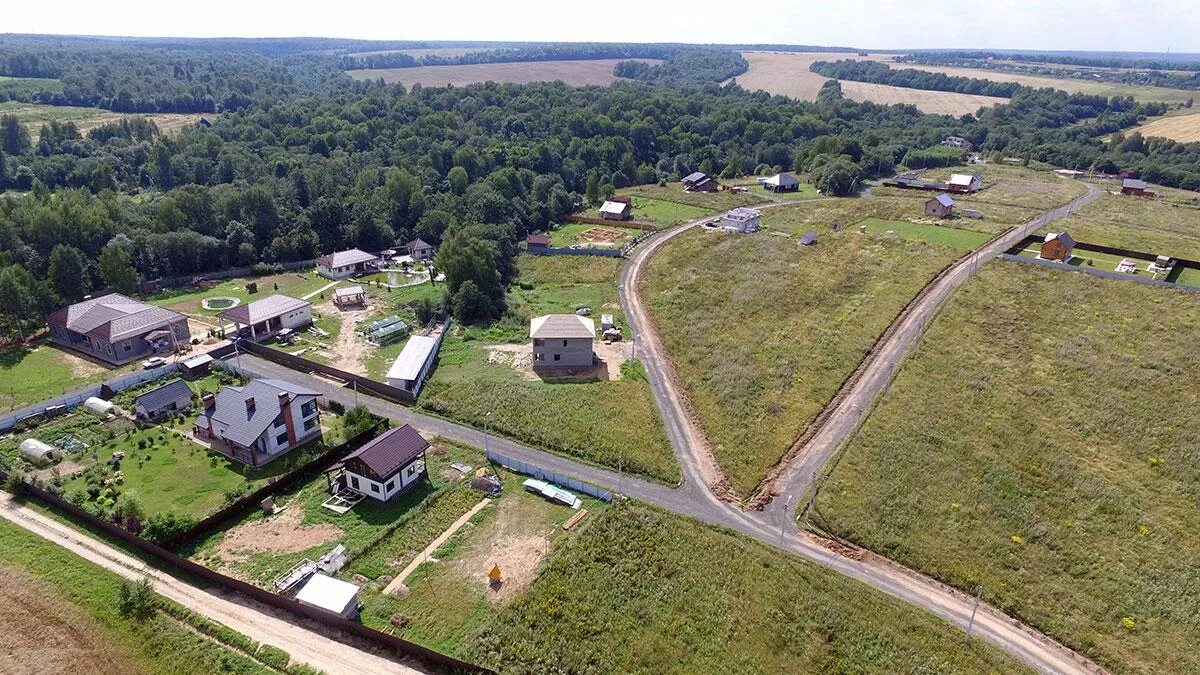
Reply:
x=576, y=73
x=520, y=358
x=81, y=368
x=281, y=533
x=514, y=543
x=42, y=634
x=351, y=349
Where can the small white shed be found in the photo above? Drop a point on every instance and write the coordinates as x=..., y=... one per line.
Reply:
x=38, y=452
x=99, y=407
x=332, y=595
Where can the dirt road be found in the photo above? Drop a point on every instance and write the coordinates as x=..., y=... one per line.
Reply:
x=239, y=614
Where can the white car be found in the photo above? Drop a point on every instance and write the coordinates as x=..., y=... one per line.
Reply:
x=153, y=362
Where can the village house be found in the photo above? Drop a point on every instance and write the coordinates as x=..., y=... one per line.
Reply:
x=344, y=264
x=614, y=210
x=1136, y=188
x=562, y=341
x=264, y=318
x=1057, y=246
x=699, y=182
x=389, y=465
x=349, y=296
x=260, y=421
x=419, y=249
x=784, y=182
x=537, y=241
x=412, y=366
x=118, y=329
x=941, y=206
x=957, y=142
x=742, y=219
x=964, y=182
x=163, y=400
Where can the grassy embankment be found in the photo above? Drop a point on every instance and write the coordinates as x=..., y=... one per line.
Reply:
x=1055, y=466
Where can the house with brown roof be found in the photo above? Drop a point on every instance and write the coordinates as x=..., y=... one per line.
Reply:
x=118, y=329
x=344, y=264
x=562, y=341
x=265, y=318
x=537, y=240
x=1136, y=188
x=388, y=465
x=1057, y=246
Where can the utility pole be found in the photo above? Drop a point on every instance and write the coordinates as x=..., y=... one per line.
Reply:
x=787, y=509
x=355, y=393
x=485, y=431
x=974, y=608
x=812, y=499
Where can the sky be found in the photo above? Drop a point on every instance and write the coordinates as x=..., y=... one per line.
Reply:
x=1096, y=25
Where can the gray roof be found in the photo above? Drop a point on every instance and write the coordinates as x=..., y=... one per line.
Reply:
x=391, y=451
x=348, y=291
x=562, y=326
x=808, y=238
x=418, y=244
x=267, y=308
x=160, y=397
x=411, y=360
x=782, y=180
x=1133, y=183
x=353, y=256
x=1062, y=237
x=245, y=426
x=945, y=200
x=696, y=177
x=113, y=317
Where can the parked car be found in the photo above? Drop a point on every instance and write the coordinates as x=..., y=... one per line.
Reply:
x=153, y=362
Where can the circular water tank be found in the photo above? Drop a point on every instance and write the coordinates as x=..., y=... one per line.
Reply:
x=38, y=452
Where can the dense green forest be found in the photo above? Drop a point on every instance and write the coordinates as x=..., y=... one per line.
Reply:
x=302, y=162
x=881, y=73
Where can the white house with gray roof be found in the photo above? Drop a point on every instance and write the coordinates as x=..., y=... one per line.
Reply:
x=264, y=318
x=343, y=264
x=118, y=329
x=562, y=341
x=412, y=366
x=260, y=421
x=742, y=219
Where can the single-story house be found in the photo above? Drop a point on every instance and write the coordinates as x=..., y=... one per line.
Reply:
x=263, y=318
x=538, y=241
x=1057, y=246
x=260, y=421
x=957, y=142
x=118, y=329
x=349, y=296
x=784, y=182
x=562, y=341
x=742, y=219
x=163, y=400
x=331, y=595
x=196, y=366
x=388, y=465
x=941, y=206
x=419, y=249
x=964, y=182
x=343, y=264
x=808, y=238
x=613, y=210
x=699, y=182
x=1135, y=187
x=1162, y=263
x=412, y=366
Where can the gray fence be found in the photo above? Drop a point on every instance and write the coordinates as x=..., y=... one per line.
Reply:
x=549, y=476
x=605, y=252
x=229, y=273
x=1054, y=264
x=73, y=399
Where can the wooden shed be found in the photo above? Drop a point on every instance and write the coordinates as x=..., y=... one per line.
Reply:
x=1057, y=246
x=941, y=206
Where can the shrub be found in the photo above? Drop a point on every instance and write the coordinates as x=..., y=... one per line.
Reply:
x=274, y=657
x=162, y=527
x=136, y=599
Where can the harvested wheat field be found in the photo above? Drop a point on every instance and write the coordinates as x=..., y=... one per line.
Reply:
x=788, y=75
x=575, y=73
x=1138, y=92
x=34, y=115
x=1182, y=128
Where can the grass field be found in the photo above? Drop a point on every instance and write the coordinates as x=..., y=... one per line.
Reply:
x=806, y=191
x=953, y=237
x=575, y=73
x=60, y=612
x=34, y=115
x=640, y=591
x=612, y=422
x=665, y=213
x=763, y=331
x=28, y=376
x=788, y=74
x=673, y=194
x=188, y=300
x=1041, y=442
x=1153, y=226
x=567, y=234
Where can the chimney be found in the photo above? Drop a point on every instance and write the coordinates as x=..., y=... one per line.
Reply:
x=283, y=399
x=209, y=399
x=250, y=404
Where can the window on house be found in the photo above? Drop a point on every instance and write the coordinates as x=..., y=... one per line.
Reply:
x=354, y=482
x=564, y=343
x=279, y=421
x=309, y=425
x=281, y=439
x=128, y=346
x=391, y=484
x=557, y=357
x=375, y=488
x=412, y=468
x=308, y=408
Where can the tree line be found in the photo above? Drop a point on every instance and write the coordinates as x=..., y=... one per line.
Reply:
x=911, y=78
x=1069, y=68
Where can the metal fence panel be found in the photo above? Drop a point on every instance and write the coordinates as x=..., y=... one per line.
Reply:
x=73, y=399
x=549, y=476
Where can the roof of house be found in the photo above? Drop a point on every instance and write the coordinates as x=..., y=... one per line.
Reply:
x=614, y=207
x=963, y=178
x=782, y=180
x=408, y=364
x=562, y=326
x=327, y=593
x=113, y=317
x=808, y=238
x=538, y=239
x=158, y=397
x=945, y=200
x=391, y=451
x=266, y=308
x=1062, y=237
x=418, y=243
x=346, y=258
x=244, y=426
x=696, y=177
x=1133, y=183
x=348, y=291
x=743, y=213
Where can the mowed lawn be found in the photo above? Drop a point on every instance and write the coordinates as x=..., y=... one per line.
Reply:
x=1042, y=442
x=641, y=591
x=613, y=423
x=1153, y=226
x=189, y=300
x=31, y=375
x=764, y=331
x=674, y=193
x=953, y=237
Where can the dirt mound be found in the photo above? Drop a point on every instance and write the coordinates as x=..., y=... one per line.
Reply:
x=281, y=533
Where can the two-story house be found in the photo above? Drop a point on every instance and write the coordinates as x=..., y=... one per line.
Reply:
x=260, y=421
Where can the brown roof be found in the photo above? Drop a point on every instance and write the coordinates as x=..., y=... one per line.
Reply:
x=538, y=240
x=391, y=451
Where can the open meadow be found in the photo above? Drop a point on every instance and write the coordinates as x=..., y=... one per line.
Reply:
x=763, y=331
x=1151, y=225
x=1041, y=442
x=575, y=73
x=34, y=115
x=787, y=74
x=673, y=193
x=42, y=370
x=641, y=591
